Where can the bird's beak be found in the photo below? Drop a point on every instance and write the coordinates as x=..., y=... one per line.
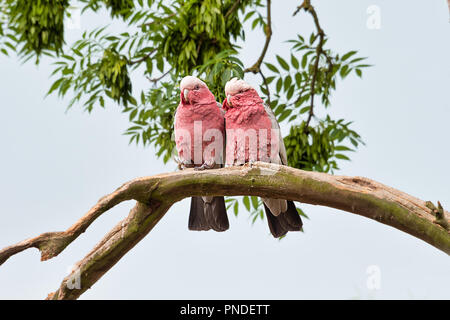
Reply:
x=225, y=105
x=186, y=95
x=229, y=100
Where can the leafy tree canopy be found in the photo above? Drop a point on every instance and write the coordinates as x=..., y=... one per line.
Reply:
x=175, y=38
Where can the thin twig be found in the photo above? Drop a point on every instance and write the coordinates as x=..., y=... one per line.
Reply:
x=232, y=9
x=159, y=21
x=266, y=85
x=268, y=30
x=306, y=5
x=302, y=6
x=143, y=58
x=155, y=80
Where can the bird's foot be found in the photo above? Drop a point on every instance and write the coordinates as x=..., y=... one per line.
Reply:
x=206, y=165
x=251, y=163
x=185, y=164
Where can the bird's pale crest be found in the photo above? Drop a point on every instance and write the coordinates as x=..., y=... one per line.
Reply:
x=189, y=82
x=235, y=86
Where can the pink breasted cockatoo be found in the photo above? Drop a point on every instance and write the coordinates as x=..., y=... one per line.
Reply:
x=199, y=137
x=253, y=134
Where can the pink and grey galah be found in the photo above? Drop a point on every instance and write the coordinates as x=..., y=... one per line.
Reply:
x=253, y=134
x=199, y=136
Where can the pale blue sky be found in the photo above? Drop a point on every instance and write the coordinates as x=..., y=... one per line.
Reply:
x=54, y=166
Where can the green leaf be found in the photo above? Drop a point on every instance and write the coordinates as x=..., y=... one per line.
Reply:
x=286, y=113
x=354, y=142
x=236, y=208
x=304, y=109
x=133, y=114
x=246, y=201
x=341, y=156
x=343, y=148
x=283, y=63
x=304, y=61
x=279, y=84
x=254, y=202
x=302, y=213
x=55, y=85
x=294, y=62
x=348, y=55
x=248, y=15
x=271, y=67
x=287, y=82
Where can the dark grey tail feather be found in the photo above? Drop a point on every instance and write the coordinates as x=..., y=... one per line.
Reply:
x=216, y=214
x=197, y=219
x=275, y=226
x=292, y=217
x=286, y=221
x=206, y=216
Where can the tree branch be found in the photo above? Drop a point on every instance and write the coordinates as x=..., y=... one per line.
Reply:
x=306, y=5
x=156, y=194
x=51, y=244
x=268, y=30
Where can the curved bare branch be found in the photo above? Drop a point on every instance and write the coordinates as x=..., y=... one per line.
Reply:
x=156, y=194
x=50, y=244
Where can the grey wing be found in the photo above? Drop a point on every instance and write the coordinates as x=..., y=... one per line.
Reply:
x=175, y=118
x=219, y=105
x=224, y=154
x=276, y=126
x=175, y=152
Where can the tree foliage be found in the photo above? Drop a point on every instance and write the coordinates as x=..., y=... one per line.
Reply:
x=166, y=40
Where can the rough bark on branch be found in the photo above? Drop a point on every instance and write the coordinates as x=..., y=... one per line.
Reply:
x=156, y=194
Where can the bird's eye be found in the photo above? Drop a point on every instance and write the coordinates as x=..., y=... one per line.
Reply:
x=197, y=87
x=240, y=91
